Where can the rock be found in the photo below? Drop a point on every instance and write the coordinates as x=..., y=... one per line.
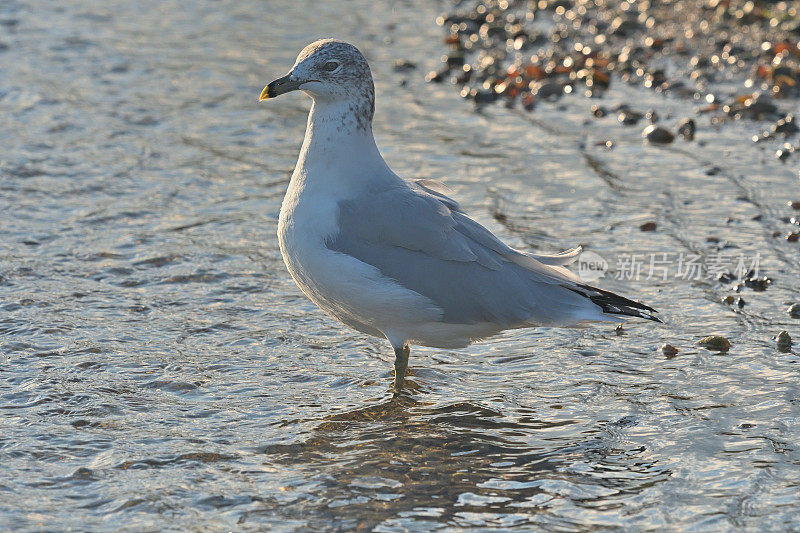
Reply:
x=784, y=153
x=403, y=65
x=463, y=76
x=786, y=125
x=794, y=310
x=599, y=111
x=648, y=226
x=754, y=106
x=436, y=76
x=686, y=129
x=724, y=277
x=528, y=102
x=757, y=284
x=792, y=237
x=618, y=330
x=454, y=59
x=730, y=300
x=657, y=135
x=784, y=341
x=629, y=118
x=547, y=89
x=716, y=343
x=483, y=97
x=669, y=350
x=624, y=26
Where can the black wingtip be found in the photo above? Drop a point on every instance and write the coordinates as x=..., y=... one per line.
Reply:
x=614, y=304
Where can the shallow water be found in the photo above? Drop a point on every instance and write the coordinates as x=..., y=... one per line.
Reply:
x=161, y=371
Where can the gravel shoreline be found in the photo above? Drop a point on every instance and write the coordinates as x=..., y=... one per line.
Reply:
x=736, y=59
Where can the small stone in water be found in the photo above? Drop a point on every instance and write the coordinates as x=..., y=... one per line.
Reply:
x=528, y=102
x=730, y=300
x=648, y=226
x=795, y=205
x=618, y=330
x=785, y=125
x=599, y=111
x=793, y=236
x=629, y=118
x=403, y=65
x=784, y=153
x=794, y=310
x=657, y=134
x=784, y=341
x=436, y=77
x=669, y=350
x=716, y=343
x=725, y=277
x=758, y=284
x=687, y=128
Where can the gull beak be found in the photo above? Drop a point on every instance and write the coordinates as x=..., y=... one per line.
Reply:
x=280, y=86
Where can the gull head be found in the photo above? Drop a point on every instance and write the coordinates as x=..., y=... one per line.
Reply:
x=329, y=71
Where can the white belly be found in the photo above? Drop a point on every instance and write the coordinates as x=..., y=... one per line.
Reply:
x=353, y=292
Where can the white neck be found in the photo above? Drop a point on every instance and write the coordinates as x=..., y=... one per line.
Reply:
x=339, y=145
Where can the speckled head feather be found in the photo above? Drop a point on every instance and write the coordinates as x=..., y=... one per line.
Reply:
x=334, y=71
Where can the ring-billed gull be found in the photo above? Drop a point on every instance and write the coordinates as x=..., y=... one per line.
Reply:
x=399, y=259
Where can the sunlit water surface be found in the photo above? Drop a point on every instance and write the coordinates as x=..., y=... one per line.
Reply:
x=160, y=370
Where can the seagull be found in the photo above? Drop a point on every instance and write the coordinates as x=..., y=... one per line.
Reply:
x=399, y=259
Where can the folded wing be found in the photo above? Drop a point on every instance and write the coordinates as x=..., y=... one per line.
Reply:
x=420, y=238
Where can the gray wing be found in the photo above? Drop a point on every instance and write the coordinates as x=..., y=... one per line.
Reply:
x=421, y=239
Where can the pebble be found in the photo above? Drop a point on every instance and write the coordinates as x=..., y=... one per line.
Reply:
x=757, y=284
x=730, y=300
x=403, y=65
x=716, y=343
x=725, y=277
x=784, y=153
x=786, y=125
x=755, y=106
x=436, y=76
x=657, y=135
x=669, y=350
x=687, y=128
x=794, y=310
x=618, y=330
x=648, y=226
x=784, y=341
x=629, y=118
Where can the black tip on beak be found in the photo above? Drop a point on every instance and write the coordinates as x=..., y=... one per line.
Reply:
x=278, y=87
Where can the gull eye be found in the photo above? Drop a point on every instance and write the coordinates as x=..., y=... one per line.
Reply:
x=330, y=66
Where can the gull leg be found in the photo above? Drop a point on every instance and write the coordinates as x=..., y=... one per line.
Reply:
x=400, y=366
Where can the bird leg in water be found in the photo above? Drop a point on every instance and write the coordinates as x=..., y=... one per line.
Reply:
x=400, y=365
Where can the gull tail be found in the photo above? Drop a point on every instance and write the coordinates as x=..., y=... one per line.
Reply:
x=560, y=259
x=614, y=304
